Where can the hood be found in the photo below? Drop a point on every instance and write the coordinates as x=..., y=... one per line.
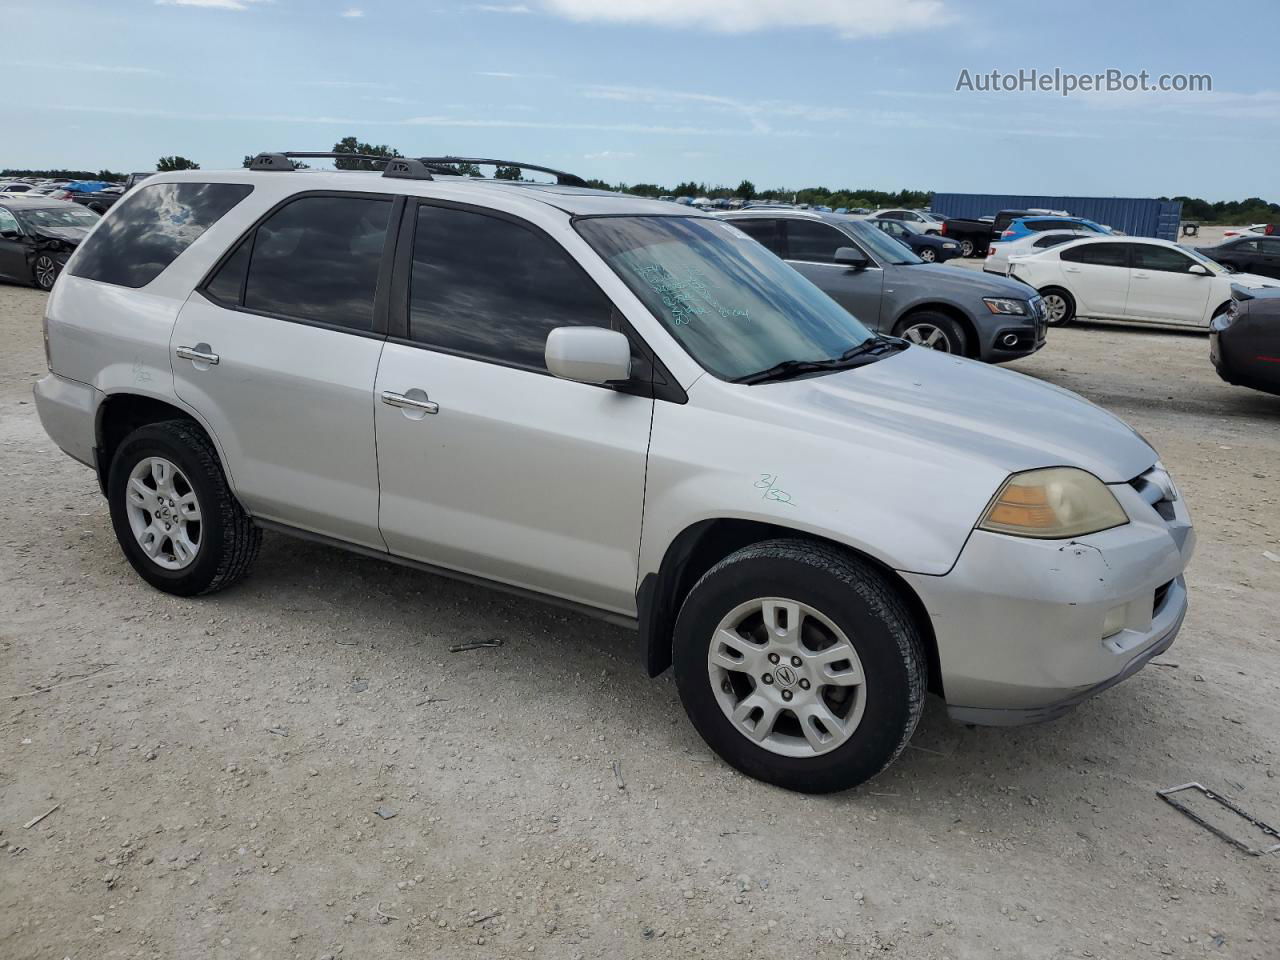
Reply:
x=1252, y=281
x=1006, y=420
x=975, y=282
x=71, y=235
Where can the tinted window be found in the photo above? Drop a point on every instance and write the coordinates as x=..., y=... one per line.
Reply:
x=228, y=283
x=814, y=242
x=1271, y=247
x=762, y=231
x=1054, y=240
x=1149, y=257
x=150, y=227
x=1052, y=225
x=493, y=289
x=1245, y=246
x=1099, y=254
x=318, y=258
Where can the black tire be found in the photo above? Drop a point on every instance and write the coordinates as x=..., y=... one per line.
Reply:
x=918, y=328
x=1068, y=303
x=928, y=255
x=228, y=538
x=967, y=248
x=44, y=271
x=852, y=594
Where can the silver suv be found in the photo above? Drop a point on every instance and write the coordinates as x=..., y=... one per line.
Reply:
x=625, y=407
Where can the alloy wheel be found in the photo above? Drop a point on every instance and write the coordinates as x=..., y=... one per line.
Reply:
x=1055, y=306
x=928, y=335
x=46, y=271
x=164, y=513
x=927, y=255
x=966, y=248
x=787, y=677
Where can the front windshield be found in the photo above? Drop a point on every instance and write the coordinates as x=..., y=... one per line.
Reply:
x=881, y=246
x=734, y=306
x=72, y=216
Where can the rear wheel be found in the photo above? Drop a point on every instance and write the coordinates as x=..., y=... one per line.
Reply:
x=800, y=665
x=44, y=271
x=174, y=514
x=1059, y=306
x=966, y=248
x=934, y=330
x=928, y=255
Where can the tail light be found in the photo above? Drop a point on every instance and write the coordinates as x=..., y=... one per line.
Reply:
x=944, y=228
x=991, y=248
x=1006, y=235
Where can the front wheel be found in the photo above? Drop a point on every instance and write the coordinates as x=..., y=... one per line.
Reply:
x=800, y=665
x=935, y=331
x=927, y=255
x=44, y=272
x=174, y=514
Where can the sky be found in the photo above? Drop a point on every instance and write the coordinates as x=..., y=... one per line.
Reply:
x=837, y=93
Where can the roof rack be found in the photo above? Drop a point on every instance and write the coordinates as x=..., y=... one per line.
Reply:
x=415, y=168
x=564, y=179
x=400, y=168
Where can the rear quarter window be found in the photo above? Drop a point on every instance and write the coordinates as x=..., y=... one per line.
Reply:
x=150, y=227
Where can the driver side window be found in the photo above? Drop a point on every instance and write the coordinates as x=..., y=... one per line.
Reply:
x=1149, y=257
x=8, y=222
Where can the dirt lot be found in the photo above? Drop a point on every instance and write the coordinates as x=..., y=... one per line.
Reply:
x=220, y=764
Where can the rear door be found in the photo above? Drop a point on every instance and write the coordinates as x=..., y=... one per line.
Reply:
x=278, y=352
x=1097, y=275
x=1267, y=259
x=490, y=465
x=1162, y=288
x=13, y=251
x=811, y=246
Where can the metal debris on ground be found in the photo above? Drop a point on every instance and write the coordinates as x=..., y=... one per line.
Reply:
x=278, y=731
x=386, y=813
x=617, y=774
x=1168, y=797
x=34, y=820
x=475, y=645
x=359, y=685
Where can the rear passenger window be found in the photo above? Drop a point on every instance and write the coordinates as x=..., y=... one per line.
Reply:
x=150, y=227
x=1098, y=254
x=762, y=231
x=1053, y=241
x=227, y=284
x=317, y=259
x=814, y=242
x=492, y=289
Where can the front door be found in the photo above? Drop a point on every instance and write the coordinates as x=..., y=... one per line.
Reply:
x=1162, y=288
x=811, y=248
x=489, y=465
x=278, y=353
x=13, y=252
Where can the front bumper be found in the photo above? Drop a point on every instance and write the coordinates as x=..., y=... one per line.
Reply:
x=1019, y=622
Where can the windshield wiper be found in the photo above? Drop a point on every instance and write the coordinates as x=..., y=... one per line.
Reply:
x=865, y=352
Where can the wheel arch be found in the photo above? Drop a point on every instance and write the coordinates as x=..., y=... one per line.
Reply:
x=950, y=310
x=119, y=414
x=699, y=547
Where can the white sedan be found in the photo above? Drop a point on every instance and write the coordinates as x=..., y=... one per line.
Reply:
x=1131, y=278
x=998, y=253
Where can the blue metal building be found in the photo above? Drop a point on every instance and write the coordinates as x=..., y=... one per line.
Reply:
x=1135, y=216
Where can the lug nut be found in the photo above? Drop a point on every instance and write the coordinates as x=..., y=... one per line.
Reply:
x=795, y=661
x=767, y=678
x=804, y=684
x=773, y=658
x=786, y=694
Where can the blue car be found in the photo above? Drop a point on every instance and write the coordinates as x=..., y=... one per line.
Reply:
x=1024, y=226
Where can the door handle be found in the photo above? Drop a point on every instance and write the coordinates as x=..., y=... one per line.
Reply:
x=198, y=355
x=393, y=399
x=1070, y=269
x=1141, y=276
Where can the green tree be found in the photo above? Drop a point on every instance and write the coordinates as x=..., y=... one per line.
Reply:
x=352, y=145
x=746, y=190
x=689, y=189
x=507, y=173
x=169, y=164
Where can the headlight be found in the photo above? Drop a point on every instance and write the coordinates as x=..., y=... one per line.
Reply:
x=1053, y=503
x=1000, y=305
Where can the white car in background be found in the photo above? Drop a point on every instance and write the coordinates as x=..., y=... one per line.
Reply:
x=1245, y=231
x=928, y=222
x=998, y=253
x=1135, y=279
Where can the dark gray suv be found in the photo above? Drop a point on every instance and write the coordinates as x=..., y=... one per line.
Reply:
x=891, y=290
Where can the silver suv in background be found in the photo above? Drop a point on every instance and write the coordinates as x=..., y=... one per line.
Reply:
x=891, y=290
x=625, y=407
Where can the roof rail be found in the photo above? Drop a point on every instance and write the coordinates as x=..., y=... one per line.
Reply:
x=443, y=163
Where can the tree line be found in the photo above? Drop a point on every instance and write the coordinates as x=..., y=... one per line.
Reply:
x=1251, y=210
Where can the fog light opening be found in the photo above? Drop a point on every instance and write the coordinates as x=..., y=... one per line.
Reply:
x=1009, y=339
x=1113, y=623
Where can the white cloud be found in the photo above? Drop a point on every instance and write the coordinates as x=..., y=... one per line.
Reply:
x=849, y=18
x=500, y=8
x=352, y=13
x=83, y=67
x=216, y=4
x=609, y=155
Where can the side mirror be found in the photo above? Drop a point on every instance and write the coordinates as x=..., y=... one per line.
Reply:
x=588, y=354
x=852, y=257
x=1199, y=270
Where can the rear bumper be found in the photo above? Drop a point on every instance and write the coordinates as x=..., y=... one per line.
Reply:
x=67, y=409
x=1020, y=623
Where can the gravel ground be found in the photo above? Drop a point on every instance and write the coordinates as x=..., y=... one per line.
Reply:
x=299, y=768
